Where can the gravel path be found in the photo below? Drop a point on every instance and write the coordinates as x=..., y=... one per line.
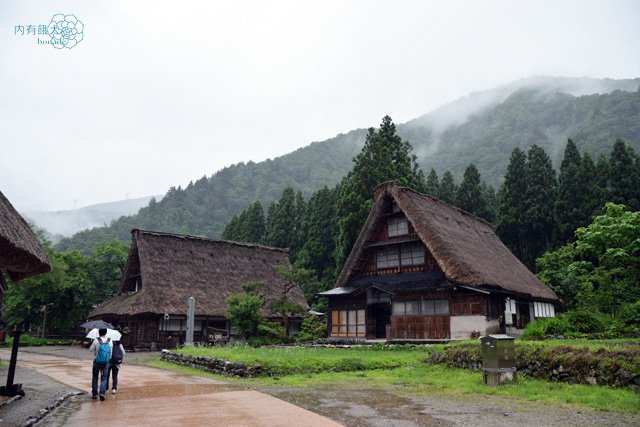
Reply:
x=387, y=407
x=349, y=406
x=40, y=392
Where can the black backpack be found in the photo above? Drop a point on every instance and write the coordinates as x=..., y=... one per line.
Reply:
x=116, y=355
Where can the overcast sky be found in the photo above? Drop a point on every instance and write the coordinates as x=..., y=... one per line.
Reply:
x=159, y=93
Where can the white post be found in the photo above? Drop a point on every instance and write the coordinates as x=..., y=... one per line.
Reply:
x=191, y=309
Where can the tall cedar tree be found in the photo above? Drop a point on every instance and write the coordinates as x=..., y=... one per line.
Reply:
x=296, y=239
x=567, y=208
x=511, y=204
x=247, y=226
x=384, y=157
x=590, y=197
x=448, y=189
x=491, y=201
x=317, y=234
x=624, y=176
x=602, y=179
x=253, y=228
x=281, y=227
x=470, y=196
x=539, y=202
x=433, y=183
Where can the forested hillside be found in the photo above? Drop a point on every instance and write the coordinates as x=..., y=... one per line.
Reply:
x=482, y=129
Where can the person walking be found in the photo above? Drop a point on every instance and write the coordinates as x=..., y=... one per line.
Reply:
x=101, y=348
x=117, y=357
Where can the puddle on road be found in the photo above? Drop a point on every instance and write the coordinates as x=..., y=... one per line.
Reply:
x=75, y=406
x=165, y=389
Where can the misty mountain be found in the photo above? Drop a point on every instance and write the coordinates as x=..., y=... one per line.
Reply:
x=482, y=128
x=68, y=222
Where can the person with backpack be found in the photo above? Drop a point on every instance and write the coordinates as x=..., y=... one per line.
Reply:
x=117, y=357
x=101, y=348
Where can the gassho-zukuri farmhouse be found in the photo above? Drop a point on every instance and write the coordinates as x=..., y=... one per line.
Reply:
x=422, y=269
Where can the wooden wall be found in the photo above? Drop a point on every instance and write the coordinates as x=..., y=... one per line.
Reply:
x=420, y=327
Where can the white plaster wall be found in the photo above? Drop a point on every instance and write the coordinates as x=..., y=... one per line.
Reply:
x=493, y=327
x=461, y=326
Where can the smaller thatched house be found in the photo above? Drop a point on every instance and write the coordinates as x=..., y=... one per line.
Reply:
x=163, y=270
x=21, y=255
x=422, y=269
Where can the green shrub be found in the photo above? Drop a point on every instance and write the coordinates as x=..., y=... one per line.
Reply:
x=586, y=321
x=312, y=328
x=630, y=315
x=541, y=328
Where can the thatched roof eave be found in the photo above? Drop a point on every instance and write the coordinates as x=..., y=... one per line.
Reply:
x=21, y=255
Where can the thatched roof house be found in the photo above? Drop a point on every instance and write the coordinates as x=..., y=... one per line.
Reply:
x=163, y=270
x=21, y=255
x=414, y=247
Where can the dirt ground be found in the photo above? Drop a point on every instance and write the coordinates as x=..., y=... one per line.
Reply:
x=350, y=407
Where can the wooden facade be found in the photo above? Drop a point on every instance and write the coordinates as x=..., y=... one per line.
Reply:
x=424, y=270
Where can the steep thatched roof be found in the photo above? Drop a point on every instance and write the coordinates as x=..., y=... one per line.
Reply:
x=464, y=246
x=174, y=267
x=21, y=255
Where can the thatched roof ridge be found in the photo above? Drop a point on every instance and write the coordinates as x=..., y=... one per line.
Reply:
x=465, y=247
x=173, y=267
x=21, y=255
x=207, y=239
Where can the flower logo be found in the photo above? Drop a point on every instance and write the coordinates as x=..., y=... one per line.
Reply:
x=65, y=31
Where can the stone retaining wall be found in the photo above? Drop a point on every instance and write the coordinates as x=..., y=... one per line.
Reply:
x=217, y=366
x=565, y=364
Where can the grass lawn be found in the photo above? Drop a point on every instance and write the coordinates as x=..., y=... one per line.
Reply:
x=27, y=340
x=292, y=360
x=401, y=370
x=441, y=381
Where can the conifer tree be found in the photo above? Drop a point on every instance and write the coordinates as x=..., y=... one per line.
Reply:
x=539, y=204
x=433, y=183
x=384, y=157
x=510, y=225
x=623, y=175
x=491, y=202
x=602, y=180
x=317, y=234
x=448, y=189
x=589, y=198
x=567, y=207
x=469, y=196
x=281, y=229
x=253, y=227
x=231, y=230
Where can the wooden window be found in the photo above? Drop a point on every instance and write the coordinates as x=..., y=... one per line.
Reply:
x=412, y=254
x=437, y=307
x=387, y=257
x=398, y=226
x=347, y=323
x=543, y=309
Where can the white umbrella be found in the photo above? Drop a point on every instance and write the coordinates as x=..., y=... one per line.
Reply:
x=111, y=333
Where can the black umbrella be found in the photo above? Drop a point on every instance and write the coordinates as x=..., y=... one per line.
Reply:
x=97, y=324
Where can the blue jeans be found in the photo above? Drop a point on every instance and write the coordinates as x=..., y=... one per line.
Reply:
x=114, y=368
x=99, y=369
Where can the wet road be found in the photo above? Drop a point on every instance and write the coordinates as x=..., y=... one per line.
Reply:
x=148, y=396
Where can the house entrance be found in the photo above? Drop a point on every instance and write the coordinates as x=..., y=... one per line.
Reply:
x=379, y=318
